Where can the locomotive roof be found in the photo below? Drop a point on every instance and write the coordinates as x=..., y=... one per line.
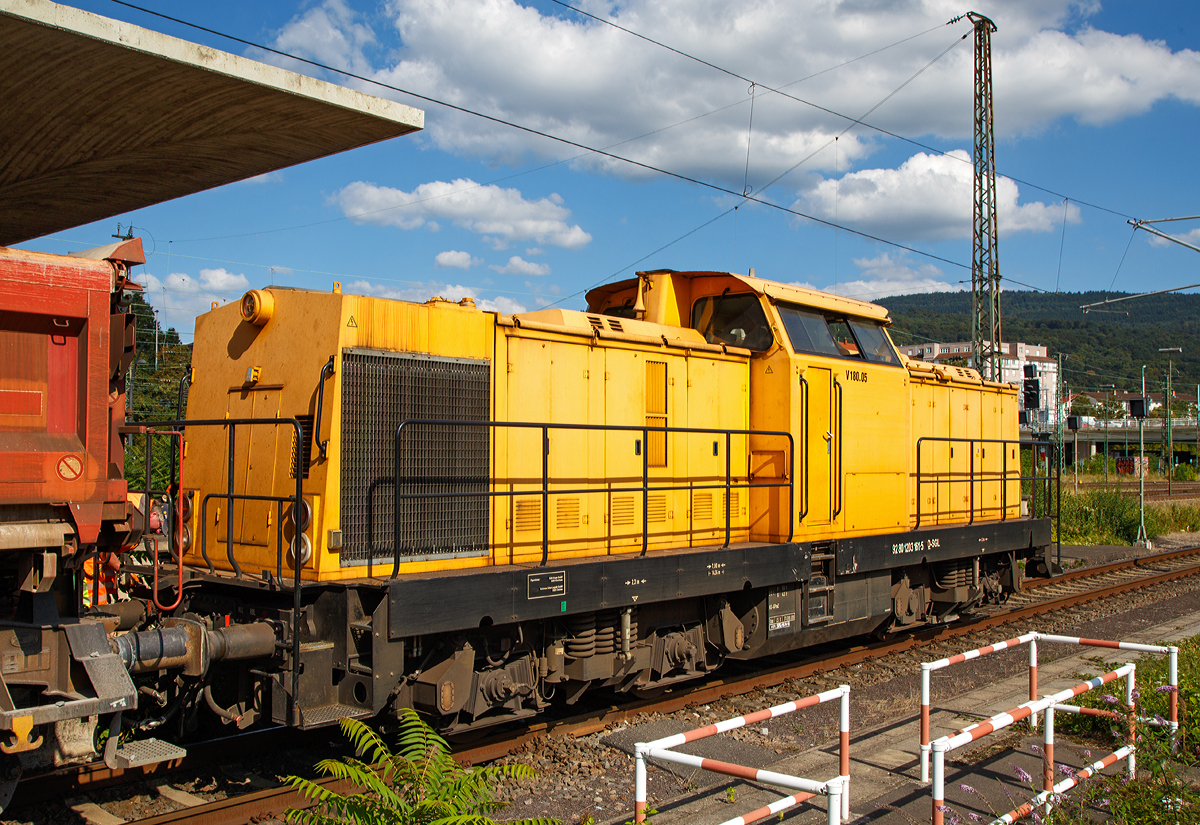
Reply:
x=772, y=289
x=102, y=117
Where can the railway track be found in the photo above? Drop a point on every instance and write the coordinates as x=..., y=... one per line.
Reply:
x=1155, y=490
x=1072, y=588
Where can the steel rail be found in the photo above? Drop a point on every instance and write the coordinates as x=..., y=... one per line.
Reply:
x=1101, y=569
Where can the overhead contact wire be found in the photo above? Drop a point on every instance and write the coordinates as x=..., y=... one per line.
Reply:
x=857, y=121
x=530, y=130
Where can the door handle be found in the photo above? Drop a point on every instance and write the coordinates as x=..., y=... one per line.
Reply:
x=828, y=442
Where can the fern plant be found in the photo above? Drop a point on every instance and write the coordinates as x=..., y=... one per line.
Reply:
x=418, y=784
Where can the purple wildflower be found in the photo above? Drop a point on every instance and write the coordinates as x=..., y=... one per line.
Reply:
x=968, y=788
x=1066, y=770
x=1159, y=719
x=1035, y=749
x=1087, y=752
x=1021, y=773
x=1165, y=689
x=1137, y=694
x=1103, y=803
x=974, y=816
x=1111, y=700
x=1036, y=817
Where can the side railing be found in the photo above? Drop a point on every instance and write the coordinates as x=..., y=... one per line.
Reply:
x=647, y=486
x=1045, y=487
x=297, y=501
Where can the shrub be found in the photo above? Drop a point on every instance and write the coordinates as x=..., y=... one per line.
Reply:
x=420, y=784
x=1185, y=472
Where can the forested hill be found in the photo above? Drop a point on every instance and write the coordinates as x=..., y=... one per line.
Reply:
x=1104, y=347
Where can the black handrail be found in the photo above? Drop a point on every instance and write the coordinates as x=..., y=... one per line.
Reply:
x=805, y=397
x=840, y=432
x=232, y=423
x=322, y=446
x=545, y=491
x=1004, y=477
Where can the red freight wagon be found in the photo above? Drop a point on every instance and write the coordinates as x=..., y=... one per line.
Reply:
x=66, y=342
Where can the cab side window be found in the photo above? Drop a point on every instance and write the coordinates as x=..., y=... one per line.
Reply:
x=821, y=333
x=737, y=320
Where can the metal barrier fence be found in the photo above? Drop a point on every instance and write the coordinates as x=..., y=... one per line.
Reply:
x=971, y=733
x=837, y=789
x=1172, y=653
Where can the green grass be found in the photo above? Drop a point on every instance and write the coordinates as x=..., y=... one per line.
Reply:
x=1166, y=789
x=1106, y=515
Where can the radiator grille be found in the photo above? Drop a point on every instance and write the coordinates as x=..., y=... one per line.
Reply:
x=380, y=390
x=302, y=452
x=702, y=509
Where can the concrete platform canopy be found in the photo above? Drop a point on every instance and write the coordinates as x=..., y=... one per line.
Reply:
x=102, y=117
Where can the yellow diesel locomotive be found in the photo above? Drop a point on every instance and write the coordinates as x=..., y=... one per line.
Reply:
x=478, y=514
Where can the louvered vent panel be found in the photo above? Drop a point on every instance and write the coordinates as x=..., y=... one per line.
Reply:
x=379, y=391
x=622, y=511
x=528, y=515
x=567, y=513
x=656, y=509
x=656, y=413
x=702, y=506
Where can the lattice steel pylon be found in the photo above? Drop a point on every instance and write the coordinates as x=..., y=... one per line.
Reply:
x=985, y=262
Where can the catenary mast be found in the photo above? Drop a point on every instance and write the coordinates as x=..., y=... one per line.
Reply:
x=985, y=263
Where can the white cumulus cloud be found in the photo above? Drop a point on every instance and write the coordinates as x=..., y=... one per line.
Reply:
x=500, y=215
x=423, y=292
x=928, y=197
x=889, y=274
x=179, y=297
x=453, y=259
x=567, y=75
x=519, y=266
x=331, y=33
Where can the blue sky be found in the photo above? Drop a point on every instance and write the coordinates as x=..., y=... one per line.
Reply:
x=1096, y=102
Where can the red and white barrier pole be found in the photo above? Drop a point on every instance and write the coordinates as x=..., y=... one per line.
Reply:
x=1066, y=785
x=639, y=782
x=1033, y=687
x=1048, y=757
x=926, y=667
x=1003, y=720
x=1131, y=763
x=833, y=790
x=660, y=749
x=770, y=810
x=1173, y=699
x=844, y=753
x=939, y=781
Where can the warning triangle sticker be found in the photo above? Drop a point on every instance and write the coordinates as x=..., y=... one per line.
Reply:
x=769, y=370
x=351, y=323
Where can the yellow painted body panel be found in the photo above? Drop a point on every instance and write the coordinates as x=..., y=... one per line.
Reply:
x=854, y=429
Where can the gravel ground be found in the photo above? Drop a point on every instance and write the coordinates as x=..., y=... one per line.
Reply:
x=589, y=780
